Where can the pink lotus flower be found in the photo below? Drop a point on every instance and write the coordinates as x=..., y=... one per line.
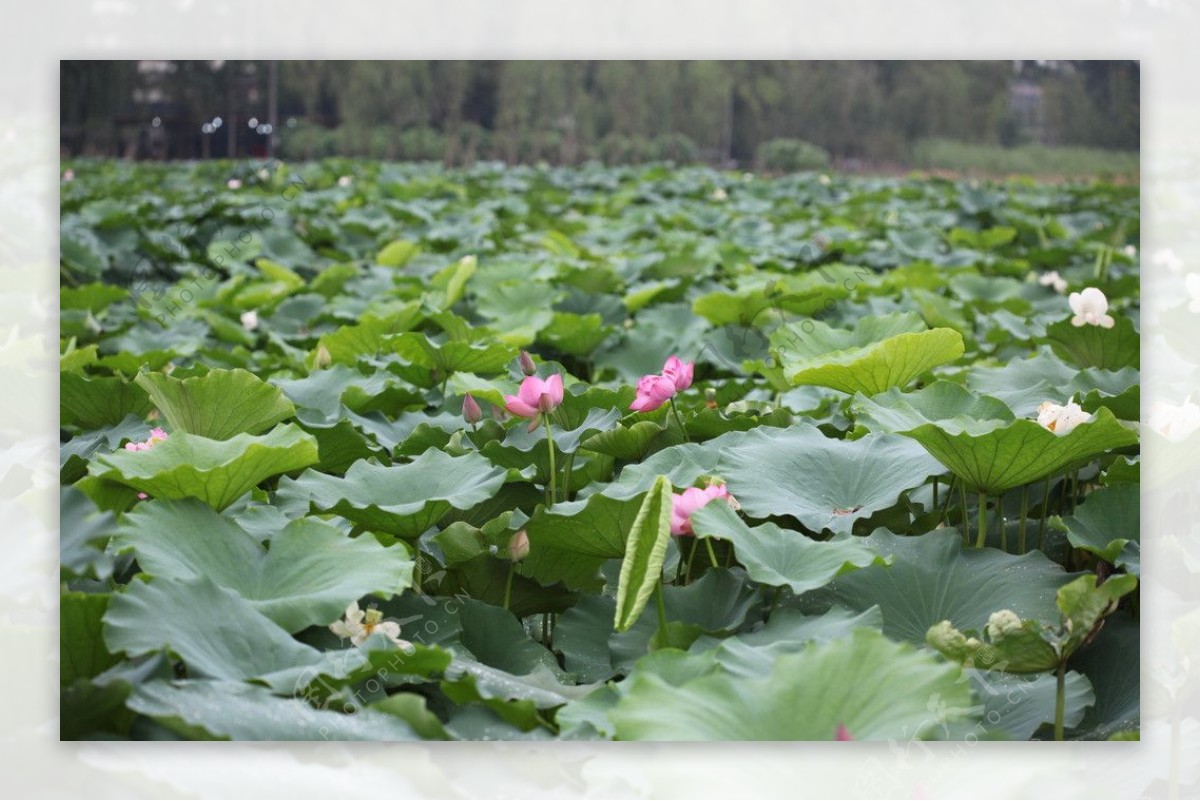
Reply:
x=679, y=372
x=843, y=733
x=684, y=504
x=655, y=390
x=156, y=435
x=652, y=392
x=535, y=396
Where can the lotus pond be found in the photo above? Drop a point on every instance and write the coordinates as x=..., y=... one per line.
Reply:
x=353, y=450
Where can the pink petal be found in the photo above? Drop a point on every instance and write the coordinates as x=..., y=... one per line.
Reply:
x=531, y=390
x=520, y=408
x=842, y=733
x=553, y=386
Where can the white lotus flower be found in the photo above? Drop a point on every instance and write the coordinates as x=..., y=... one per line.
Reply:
x=1192, y=282
x=1166, y=257
x=358, y=625
x=719, y=194
x=345, y=180
x=1130, y=251
x=250, y=320
x=234, y=183
x=1053, y=279
x=69, y=175
x=1175, y=422
x=1061, y=419
x=1091, y=308
x=1003, y=623
x=263, y=174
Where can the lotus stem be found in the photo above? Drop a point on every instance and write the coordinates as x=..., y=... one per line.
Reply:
x=981, y=538
x=662, y=606
x=687, y=571
x=949, y=497
x=712, y=556
x=1024, y=515
x=1000, y=519
x=678, y=419
x=935, y=489
x=966, y=520
x=567, y=468
x=551, y=489
x=1045, y=514
x=512, y=568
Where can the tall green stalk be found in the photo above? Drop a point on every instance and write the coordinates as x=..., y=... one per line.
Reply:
x=512, y=568
x=981, y=538
x=552, y=489
x=679, y=420
x=1024, y=515
x=1045, y=514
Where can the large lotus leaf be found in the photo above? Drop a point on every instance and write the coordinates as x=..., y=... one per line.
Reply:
x=981, y=442
x=445, y=358
x=877, y=689
x=403, y=500
x=570, y=541
x=368, y=336
x=1018, y=705
x=826, y=484
x=1025, y=384
x=217, y=472
x=753, y=654
x=1113, y=666
x=878, y=354
x=95, y=402
x=1107, y=524
x=213, y=630
x=778, y=557
x=219, y=404
x=932, y=578
x=81, y=649
x=1093, y=346
x=234, y=710
x=307, y=577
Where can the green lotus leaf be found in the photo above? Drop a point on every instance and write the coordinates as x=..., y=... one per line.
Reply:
x=778, y=557
x=878, y=354
x=1092, y=346
x=92, y=402
x=981, y=442
x=932, y=578
x=877, y=689
x=826, y=484
x=219, y=404
x=1107, y=524
x=217, y=472
x=575, y=334
x=234, y=710
x=307, y=577
x=1025, y=384
x=403, y=500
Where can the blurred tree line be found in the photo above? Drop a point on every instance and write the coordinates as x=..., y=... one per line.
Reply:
x=721, y=112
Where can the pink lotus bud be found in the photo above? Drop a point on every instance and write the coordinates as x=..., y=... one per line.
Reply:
x=527, y=365
x=842, y=733
x=323, y=358
x=471, y=411
x=518, y=546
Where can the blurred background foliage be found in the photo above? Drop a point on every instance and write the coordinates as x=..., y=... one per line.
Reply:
x=1042, y=116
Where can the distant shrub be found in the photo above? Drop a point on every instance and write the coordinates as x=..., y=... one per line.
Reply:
x=944, y=154
x=676, y=147
x=420, y=144
x=791, y=155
